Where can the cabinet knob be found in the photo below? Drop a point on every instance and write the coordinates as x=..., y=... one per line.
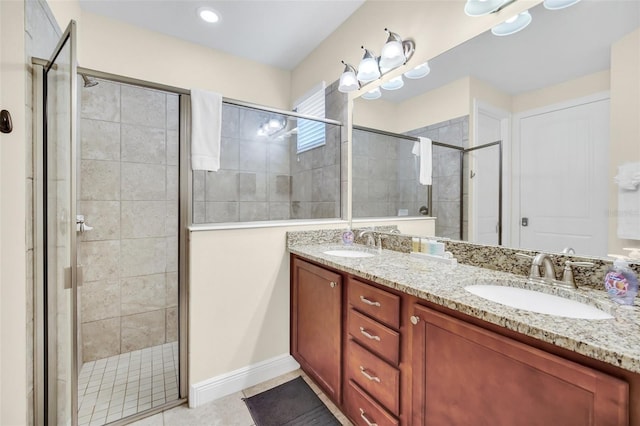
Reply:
x=415, y=319
x=333, y=284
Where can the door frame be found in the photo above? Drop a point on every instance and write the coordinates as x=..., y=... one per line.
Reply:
x=42, y=315
x=504, y=117
x=515, y=163
x=185, y=215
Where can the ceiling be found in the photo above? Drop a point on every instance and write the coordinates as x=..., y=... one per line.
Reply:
x=280, y=33
x=557, y=46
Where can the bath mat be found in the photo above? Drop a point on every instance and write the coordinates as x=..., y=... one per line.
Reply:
x=292, y=404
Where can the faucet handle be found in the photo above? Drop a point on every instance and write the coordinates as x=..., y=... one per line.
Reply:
x=567, y=274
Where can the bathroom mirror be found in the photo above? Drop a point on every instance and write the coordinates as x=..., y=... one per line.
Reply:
x=553, y=94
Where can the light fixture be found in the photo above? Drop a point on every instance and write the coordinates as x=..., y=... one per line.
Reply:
x=483, y=7
x=368, y=69
x=372, y=94
x=394, y=84
x=208, y=15
x=419, y=71
x=395, y=51
x=559, y=4
x=272, y=126
x=513, y=24
x=348, y=80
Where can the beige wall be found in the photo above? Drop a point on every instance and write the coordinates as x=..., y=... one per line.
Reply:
x=239, y=278
x=13, y=365
x=435, y=106
x=625, y=122
x=423, y=21
x=239, y=295
x=572, y=89
x=119, y=48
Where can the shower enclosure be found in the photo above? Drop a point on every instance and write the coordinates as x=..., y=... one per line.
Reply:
x=110, y=294
x=466, y=182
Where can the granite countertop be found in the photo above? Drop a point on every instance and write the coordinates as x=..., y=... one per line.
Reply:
x=615, y=341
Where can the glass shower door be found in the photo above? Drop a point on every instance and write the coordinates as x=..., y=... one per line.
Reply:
x=61, y=272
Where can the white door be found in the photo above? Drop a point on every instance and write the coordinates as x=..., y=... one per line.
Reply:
x=563, y=179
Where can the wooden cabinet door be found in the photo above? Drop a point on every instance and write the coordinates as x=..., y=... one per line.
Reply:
x=316, y=318
x=465, y=375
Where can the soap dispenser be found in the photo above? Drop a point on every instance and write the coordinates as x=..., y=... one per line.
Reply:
x=621, y=282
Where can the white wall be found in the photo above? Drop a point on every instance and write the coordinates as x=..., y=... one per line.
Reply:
x=13, y=365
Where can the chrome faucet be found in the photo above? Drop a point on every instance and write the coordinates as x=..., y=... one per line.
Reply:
x=369, y=233
x=548, y=272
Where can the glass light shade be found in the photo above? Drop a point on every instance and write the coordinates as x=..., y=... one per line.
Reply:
x=559, y=4
x=392, y=55
x=419, y=71
x=348, y=82
x=372, y=94
x=513, y=24
x=394, y=84
x=482, y=7
x=368, y=69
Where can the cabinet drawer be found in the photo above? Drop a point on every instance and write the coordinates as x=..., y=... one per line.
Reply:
x=379, y=379
x=379, y=304
x=374, y=336
x=364, y=411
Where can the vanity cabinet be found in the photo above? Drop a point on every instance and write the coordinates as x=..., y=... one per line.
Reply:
x=466, y=375
x=372, y=355
x=316, y=324
x=390, y=358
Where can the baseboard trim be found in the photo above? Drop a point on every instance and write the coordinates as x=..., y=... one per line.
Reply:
x=217, y=387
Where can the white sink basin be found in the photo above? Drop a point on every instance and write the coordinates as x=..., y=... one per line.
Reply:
x=536, y=301
x=349, y=253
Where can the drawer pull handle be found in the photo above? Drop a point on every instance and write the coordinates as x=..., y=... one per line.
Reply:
x=369, y=302
x=369, y=376
x=333, y=284
x=415, y=319
x=366, y=334
x=367, y=421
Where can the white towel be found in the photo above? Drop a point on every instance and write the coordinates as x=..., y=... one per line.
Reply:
x=206, y=118
x=628, y=201
x=426, y=163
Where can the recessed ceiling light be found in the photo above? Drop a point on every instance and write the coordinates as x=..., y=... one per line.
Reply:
x=208, y=15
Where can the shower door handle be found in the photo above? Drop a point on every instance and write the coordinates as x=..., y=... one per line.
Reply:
x=67, y=277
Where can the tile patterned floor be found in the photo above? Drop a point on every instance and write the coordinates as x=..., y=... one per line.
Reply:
x=119, y=386
x=231, y=410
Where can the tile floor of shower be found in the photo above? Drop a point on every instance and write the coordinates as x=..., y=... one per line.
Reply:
x=121, y=385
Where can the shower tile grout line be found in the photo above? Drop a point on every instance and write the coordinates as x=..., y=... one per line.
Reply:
x=121, y=385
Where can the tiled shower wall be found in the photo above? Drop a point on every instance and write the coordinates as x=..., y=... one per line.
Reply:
x=253, y=182
x=385, y=176
x=446, y=174
x=264, y=178
x=128, y=192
